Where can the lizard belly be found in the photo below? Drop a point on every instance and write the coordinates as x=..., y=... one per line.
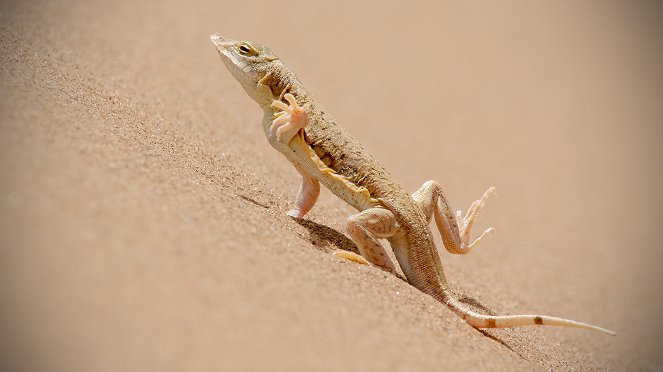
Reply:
x=304, y=158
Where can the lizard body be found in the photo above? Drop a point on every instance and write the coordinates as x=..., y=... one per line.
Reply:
x=323, y=152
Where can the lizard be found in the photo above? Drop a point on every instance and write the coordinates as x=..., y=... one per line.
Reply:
x=325, y=153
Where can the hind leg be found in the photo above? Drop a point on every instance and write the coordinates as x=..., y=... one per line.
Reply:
x=454, y=228
x=365, y=228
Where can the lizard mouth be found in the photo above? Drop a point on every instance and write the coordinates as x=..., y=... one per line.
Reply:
x=233, y=61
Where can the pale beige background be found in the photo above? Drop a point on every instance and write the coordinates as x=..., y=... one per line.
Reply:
x=142, y=213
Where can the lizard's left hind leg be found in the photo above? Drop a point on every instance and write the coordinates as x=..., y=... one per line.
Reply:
x=454, y=228
x=365, y=228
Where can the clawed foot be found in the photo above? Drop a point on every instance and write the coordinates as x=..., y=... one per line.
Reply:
x=465, y=223
x=351, y=256
x=289, y=120
x=356, y=258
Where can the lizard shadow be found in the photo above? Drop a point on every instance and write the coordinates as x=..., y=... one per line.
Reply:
x=501, y=342
x=325, y=238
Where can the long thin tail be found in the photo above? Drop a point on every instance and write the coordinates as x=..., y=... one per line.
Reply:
x=507, y=321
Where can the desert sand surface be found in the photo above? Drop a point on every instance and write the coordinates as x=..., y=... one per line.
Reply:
x=142, y=211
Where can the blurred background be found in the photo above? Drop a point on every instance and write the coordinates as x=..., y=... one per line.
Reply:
x=142, y=212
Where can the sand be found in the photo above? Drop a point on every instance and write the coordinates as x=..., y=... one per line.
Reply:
x=142, y=212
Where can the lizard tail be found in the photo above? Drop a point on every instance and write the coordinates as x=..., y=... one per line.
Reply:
x=414, y=248
x=478, y=320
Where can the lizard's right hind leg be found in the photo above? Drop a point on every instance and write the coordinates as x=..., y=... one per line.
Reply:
x=454, y=228
x=365, y=228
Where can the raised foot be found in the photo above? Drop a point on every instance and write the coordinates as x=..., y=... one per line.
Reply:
x=289, y=120
x=465, y=223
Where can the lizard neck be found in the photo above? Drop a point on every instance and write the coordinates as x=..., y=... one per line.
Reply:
x=280, y=80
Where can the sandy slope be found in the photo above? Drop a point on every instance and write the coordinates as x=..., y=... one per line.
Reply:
x=142, y=213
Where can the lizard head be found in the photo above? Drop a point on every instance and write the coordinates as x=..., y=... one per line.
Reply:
x=247, y=61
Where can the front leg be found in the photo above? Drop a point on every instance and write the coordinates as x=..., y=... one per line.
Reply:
x=308, y=193
x=290, y=120
x=454, y=228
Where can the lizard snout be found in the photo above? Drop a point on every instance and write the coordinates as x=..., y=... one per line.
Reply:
x=219, y=40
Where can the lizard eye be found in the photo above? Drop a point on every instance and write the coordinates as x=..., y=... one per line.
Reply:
x=245, y=49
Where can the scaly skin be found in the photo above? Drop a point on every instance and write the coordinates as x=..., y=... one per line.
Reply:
x=325, y=153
